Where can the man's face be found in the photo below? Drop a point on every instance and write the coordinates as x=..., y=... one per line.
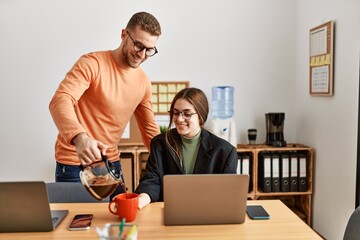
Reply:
x=136, y=43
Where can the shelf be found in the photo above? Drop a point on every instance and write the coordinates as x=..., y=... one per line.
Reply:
x=262, y=194
x=300, y=202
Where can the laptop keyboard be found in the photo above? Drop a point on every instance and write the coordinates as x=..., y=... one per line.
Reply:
x=55, y=219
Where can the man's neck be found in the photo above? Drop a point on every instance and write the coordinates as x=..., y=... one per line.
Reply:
x=118, y=58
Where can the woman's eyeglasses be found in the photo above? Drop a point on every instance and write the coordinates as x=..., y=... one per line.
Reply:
x=185, y=114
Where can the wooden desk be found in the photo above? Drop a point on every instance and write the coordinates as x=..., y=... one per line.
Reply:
x=284, y=224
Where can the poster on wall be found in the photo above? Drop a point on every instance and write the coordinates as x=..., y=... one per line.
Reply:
x=322, y=59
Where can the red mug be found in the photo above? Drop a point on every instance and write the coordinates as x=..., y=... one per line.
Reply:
x=124, y=205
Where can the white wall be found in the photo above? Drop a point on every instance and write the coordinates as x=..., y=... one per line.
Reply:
x=247, y=44
x=329, y=124
x=258, y=46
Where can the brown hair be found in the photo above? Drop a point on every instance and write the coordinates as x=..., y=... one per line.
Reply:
x=198, y=99
x=146, y=21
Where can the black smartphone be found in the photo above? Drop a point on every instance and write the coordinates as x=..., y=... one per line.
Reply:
x=257, y=212
x=81, y=222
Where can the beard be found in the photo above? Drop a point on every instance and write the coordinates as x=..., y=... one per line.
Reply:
x=129, y=59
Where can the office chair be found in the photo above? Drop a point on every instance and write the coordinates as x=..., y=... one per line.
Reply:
x=352, y=230
x=70, y=192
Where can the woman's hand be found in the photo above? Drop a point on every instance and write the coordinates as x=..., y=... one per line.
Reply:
x=144, y=199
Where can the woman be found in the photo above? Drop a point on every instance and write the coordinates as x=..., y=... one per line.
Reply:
x=186, y=149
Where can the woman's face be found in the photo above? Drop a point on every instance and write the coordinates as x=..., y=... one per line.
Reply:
x=185, y=118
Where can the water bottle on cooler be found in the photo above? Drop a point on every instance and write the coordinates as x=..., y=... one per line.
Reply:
x=222, y=102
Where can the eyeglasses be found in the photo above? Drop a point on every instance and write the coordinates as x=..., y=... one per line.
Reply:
x=185, y=114
x=138, y=47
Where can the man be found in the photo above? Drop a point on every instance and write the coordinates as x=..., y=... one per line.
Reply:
x=95, y=101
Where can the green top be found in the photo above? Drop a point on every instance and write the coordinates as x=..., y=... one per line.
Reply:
x=190, y=149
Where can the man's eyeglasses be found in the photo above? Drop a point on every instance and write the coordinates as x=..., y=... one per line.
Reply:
x=138, y=47
x=185, y=114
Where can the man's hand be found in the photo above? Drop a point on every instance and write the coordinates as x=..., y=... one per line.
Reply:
x=88, y=149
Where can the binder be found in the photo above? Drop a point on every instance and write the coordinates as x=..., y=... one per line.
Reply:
x=265, y=172
x=293, y=172
x=238, y=167
x=245, y=168
x=284, y=172
x=275, y=173
x=245, y=164
x=302, y=173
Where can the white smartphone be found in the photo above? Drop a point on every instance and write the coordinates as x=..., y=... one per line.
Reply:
x=81, y=222
x=257, y=212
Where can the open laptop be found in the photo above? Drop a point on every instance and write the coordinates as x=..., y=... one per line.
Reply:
x=205, y=199
x=24, y=207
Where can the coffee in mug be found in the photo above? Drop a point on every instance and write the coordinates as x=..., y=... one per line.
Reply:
x=125, y=205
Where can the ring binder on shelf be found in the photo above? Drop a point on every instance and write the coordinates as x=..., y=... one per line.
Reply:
x=294, y=172
x=265, y=172
x=238, y=168
x=245, y=164
x=285, y=167
x=302, y=173
x=275, y=173
x=245, y=168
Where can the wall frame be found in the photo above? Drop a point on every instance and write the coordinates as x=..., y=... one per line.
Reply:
x=322, y=59
x=163, y=94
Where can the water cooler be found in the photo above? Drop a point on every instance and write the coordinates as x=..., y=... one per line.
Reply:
x=221, y=122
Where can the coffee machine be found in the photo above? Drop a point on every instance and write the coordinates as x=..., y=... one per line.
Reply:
x=275, y=129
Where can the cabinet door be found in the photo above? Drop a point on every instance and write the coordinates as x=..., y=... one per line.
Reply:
x=127, y=166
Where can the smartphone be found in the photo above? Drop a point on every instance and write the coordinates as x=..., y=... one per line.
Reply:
x=257, y=212
x=81, y=222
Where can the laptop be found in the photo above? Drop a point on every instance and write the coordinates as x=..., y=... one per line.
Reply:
x=24, y=207
x=198, y=199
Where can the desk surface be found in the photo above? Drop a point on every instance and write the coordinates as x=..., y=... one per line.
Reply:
x=284, y=224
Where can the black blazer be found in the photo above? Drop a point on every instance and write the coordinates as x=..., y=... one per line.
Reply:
x=215, y=156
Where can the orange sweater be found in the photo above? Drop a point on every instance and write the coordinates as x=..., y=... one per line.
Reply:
x=98, y=97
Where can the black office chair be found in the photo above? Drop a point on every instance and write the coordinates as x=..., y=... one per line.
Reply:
x=70, y=192
x=352, y=231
